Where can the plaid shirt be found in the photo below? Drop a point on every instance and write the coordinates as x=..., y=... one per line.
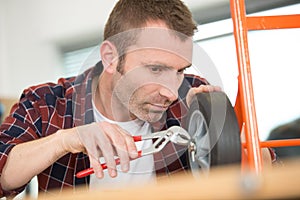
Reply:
x=46, y=108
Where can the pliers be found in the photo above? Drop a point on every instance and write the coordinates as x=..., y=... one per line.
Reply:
x=175, y=134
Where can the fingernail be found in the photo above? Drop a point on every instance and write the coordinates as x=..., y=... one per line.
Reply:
x=99, y=174
x=125, y=167
x=133, y=154
x=113, y=173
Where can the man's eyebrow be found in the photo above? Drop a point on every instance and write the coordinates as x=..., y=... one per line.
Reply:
x=158, y=65
x=166, y=66
x=188, y=66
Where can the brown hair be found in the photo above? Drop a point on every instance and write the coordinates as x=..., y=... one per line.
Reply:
x=130, y=14
x=134, y=14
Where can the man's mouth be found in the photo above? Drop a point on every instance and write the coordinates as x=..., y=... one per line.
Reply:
x=159, y=107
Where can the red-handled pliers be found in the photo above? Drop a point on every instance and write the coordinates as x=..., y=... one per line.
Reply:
x=175, y=134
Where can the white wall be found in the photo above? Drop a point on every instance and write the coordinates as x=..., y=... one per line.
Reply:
x=3, y=79
x=33, y=33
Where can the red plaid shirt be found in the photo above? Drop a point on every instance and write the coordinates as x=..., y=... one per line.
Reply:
x=46, y=108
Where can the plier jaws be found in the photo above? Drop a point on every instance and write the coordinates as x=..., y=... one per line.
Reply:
x=174, y=134
x=162, y=139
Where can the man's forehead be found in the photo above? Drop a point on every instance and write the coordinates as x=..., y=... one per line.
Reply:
x=166, y=40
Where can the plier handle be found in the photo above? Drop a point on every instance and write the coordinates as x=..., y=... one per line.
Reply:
x=174, y=134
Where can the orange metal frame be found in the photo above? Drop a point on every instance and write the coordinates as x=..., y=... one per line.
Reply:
x=245, y=106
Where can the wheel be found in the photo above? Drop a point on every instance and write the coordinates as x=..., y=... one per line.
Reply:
x=213, y=127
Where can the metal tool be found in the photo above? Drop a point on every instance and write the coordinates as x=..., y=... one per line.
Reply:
x=175, y=134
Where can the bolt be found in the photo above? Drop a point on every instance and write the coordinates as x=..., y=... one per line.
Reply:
x=192, y=149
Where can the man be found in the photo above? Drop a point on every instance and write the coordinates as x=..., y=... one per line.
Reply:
x=57, y=130
x=290, y=130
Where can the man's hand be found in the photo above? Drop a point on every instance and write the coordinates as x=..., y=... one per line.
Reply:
x=201, y=88
x=101, y=140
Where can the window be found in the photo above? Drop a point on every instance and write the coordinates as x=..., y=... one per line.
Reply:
x=77, y=61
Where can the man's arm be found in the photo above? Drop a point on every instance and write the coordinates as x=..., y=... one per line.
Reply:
x=29, y=159
x=97, y=140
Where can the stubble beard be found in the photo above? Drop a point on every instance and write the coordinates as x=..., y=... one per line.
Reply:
x=141, y=110
x=143, y=113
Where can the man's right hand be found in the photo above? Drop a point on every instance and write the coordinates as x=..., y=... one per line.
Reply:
x=101, y=140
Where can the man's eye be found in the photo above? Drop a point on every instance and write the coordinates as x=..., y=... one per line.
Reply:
x=181, y=71
x=155, y=70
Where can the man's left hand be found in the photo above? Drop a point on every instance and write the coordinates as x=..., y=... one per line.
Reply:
x=201, y=88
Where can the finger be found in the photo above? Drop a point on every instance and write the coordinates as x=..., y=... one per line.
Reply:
x=130, y=144
x=217, y=88
x=189, y=96
x=206, y=88
x=108, y=154
x=133, y=152
x=93, y=153
x=95, y=164
x=107, y=144
x=117, y=136
x=202, y=88
x=87, y=134
x=98, y=144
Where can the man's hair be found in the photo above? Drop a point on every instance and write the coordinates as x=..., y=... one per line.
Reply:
x=131, y=14
x=128, y=16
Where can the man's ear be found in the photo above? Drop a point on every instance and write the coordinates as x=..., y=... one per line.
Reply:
x=109, y=56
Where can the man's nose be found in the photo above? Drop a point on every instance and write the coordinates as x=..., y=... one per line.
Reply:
x=170, y=94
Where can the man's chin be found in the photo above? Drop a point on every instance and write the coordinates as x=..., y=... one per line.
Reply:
x=153, y=117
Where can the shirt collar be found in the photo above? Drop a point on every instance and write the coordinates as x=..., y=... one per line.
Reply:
x=82, y=95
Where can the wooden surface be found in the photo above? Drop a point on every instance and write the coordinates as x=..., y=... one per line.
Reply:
x=281, y=182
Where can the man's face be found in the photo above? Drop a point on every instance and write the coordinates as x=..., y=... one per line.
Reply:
x=152, y=73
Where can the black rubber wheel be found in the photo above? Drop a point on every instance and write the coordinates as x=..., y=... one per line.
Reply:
x=213, y=127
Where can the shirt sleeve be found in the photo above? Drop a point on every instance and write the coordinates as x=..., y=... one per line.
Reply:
x=20, y=126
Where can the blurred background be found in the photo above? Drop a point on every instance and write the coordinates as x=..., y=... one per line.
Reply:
x=43, y=40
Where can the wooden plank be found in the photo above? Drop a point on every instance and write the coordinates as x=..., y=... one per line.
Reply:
x=223, y=183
